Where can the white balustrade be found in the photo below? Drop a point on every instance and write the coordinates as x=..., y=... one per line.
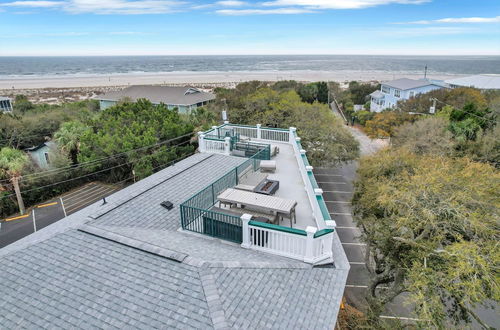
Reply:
x=214, y=146
x=296, y=246
x=275, y=135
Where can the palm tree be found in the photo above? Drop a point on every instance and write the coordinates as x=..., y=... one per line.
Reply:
x=68, y=138
x=12, y=162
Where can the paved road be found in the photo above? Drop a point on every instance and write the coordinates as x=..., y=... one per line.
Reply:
x=15, y=228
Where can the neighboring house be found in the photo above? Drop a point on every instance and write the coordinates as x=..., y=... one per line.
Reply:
x=5, y=104
x=41, y=154
x=172, y=251
x=391, y=92
x=482, y=81
x=185, y=99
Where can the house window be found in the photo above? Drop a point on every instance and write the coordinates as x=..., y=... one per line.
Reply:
x=397, y=93
x=47, y=157
x=412, y=94
x=386, y=89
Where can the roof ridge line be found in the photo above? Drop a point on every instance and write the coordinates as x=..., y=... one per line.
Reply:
x=134, y=243
x=213, y=299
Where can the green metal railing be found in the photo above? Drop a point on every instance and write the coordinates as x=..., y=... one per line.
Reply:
x=196, y=215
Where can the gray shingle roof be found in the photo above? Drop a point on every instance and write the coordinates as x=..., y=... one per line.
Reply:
x=126, y=264
x=405, y=83
x=76, y=280
x=160, y=94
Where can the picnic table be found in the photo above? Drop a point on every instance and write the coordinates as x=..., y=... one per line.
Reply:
x=280, y=206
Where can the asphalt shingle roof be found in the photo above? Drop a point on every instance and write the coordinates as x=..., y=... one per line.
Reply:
x=126, y=265
x=405, y=83
x=76, y=280
x=160, y=94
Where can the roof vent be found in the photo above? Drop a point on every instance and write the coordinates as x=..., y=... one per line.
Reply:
x=167, y=204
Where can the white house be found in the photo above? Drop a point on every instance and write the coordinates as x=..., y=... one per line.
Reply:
x=5, y=104
x=480, y=81
x=391, y=92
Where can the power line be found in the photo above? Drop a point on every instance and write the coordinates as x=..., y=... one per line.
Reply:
x=470, y=113
x=100, y=171
x=92, y=162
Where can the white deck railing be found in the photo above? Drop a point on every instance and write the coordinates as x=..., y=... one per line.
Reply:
x=292, y=243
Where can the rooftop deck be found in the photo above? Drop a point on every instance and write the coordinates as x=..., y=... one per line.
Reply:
x=233, y=208
x=291, y=184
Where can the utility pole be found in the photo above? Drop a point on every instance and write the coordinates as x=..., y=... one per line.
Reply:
x=425, y=72
x=432, y=109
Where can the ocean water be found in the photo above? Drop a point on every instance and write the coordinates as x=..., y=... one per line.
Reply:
x=84, y=66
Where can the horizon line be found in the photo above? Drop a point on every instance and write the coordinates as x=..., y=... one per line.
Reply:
x=269, y=54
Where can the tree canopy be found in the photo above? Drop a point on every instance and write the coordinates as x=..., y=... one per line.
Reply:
x=327, y=141
x=431, y=227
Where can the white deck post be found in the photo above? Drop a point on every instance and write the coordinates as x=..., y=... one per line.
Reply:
x=216, y=129
x=227, y=146
x=245, y=219
x=330, y=224
x=226, y=122
x=201, y=141
x=258, y=131
x=309, y=257
x=292, y=131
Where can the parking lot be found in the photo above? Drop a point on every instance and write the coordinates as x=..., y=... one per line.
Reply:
x=42, y=215
x=337, y=185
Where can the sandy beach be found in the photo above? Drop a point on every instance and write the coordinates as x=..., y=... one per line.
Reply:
x=60, y=89
x=209, y=78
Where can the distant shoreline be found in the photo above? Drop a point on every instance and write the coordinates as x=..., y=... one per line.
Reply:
x=222, y=79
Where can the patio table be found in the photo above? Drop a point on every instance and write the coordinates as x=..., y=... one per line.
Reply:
x=279, y=205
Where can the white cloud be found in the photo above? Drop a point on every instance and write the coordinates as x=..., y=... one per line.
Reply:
x=277, y=11
x=231, y=3
x=124, y=7
x=340, y=4
x=459, y=20
x=424, y=31
x=33, y=4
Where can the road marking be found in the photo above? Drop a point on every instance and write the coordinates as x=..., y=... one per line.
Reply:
x=399, y=318
x=45, y=205
x=358, y=244
x=78, y=190
x=364, y=286
x=34, y=221
x=342, y=202
x=84, y=191
x=356, y=286
x=334, y=213
x=89, y=200
x=19, y=217
x=62, y=204
x=356, y=263
x=332, y=182
x=329, y=174
x=95, y=192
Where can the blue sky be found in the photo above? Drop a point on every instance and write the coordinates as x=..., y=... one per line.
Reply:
x=161, y=27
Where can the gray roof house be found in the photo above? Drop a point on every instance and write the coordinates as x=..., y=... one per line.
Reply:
x=173, y=251
x=391, y=92
x=184, y=99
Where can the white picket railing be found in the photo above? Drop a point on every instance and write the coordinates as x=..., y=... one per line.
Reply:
x=274, y=135
x=300, y=245
x=277, y=242
x=250, y=132
x=214, y=146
